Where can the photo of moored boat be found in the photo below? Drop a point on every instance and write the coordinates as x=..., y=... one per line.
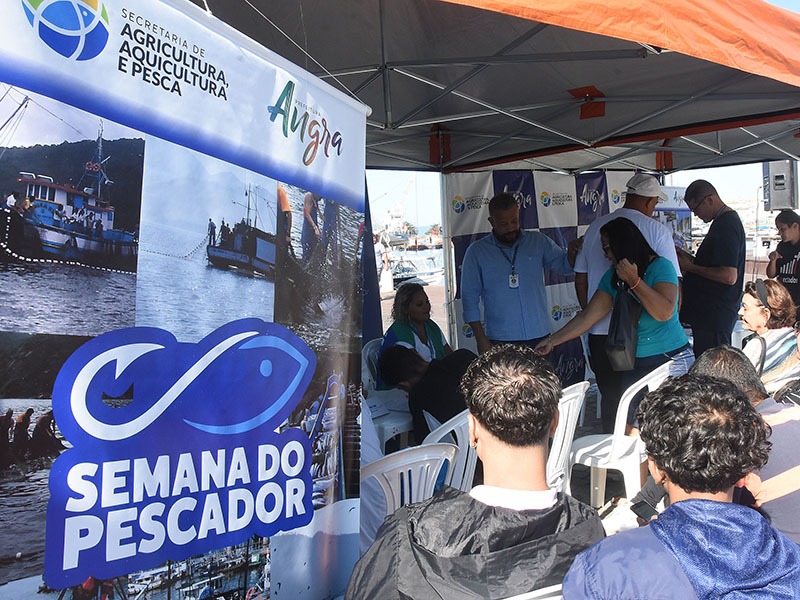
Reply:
x=56, y=203
x=70, y=200
x=244, y=247
x=66, y=223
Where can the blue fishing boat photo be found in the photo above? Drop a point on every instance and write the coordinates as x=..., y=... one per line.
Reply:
x=44, y=220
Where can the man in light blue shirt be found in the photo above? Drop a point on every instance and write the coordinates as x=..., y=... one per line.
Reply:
x=505, y=272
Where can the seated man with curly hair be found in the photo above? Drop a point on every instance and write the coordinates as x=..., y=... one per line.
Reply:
x=509, y=536
x=702, y=437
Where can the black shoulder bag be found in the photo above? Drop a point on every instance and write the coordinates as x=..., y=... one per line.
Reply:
x=623, y=332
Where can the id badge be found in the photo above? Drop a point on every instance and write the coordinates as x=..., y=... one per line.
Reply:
x=513, y=281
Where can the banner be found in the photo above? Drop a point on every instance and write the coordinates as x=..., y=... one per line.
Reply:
x=181, y=233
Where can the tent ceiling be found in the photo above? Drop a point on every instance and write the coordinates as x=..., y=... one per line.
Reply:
x=500, y=88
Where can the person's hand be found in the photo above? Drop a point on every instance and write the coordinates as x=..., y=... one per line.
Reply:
x=685, y=260
x=483, y=343
x=773, y=256
x=628, y=272
x=573, y=248
x=544, y=347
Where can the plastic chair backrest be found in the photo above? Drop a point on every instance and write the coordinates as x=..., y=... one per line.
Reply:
x=369, y=363
x=410, y=475
x=651, y=381
x=548, y=593
x=569, y=409
x=463, y=471
x=433, y=423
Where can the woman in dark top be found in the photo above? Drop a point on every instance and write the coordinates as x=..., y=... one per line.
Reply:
x=784, y=261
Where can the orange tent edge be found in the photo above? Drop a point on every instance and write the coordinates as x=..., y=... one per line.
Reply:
x=749, y=35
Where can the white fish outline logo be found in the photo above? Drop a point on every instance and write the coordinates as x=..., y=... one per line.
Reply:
x=245, y=334
x=124, y=356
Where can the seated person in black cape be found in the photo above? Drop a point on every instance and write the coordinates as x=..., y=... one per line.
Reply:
x=431, y=386
x=509, y=536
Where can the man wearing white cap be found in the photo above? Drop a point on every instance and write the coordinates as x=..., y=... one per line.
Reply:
x=642, y=194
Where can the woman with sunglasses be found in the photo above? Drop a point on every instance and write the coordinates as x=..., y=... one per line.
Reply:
x=784, y=261
x=654, y=282
x=768, y=311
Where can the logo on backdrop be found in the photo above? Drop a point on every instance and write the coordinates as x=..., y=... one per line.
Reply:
x=192, y=463
x=617, y=197
x=75, y=29
x=558, y=312
x=554, y=199
x=305, y=121
x=461, y=204
x=591, y=197
x=467, y=331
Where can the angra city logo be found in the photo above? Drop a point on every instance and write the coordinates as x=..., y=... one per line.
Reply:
x=76, y=29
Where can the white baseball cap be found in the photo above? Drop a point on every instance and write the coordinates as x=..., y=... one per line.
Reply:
x=646, y=185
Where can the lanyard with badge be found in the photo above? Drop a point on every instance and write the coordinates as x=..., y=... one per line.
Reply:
x=513, y=279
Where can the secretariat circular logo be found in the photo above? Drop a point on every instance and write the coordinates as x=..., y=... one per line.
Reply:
x=467, y=331
x=616, y=197
x=556, y=313
x=76, y=29
x=545, y=199
x=458, y=204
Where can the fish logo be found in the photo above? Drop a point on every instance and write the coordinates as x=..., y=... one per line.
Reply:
x=263, y=364
x=164, y=432
x=545, y=199
x=75, y=29
x=458, y=204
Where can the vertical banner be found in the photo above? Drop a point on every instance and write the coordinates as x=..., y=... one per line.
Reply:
x=180, y=246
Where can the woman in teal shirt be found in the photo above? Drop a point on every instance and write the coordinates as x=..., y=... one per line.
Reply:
x=654, y=283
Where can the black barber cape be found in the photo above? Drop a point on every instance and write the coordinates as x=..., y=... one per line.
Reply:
x=454, y=547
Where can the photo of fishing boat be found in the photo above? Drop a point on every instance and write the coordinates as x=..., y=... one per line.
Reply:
x=58, y=207
x=244, y=247
x=70, y=202
x=207, y=242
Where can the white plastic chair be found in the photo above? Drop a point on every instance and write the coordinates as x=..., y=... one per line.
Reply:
x=410, y=475
x=431, y=421
x=569, y=408
x=463, y=470
x=551, y=592
x=390, y=415
x=369, y=363
x=616, y=451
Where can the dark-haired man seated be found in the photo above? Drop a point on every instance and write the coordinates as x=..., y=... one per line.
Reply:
x=432, y=386
x=702, y=437
x=509, y=536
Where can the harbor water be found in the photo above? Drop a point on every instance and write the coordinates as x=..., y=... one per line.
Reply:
x=177, y=290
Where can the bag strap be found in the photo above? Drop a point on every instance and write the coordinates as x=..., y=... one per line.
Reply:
x=760, y=365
